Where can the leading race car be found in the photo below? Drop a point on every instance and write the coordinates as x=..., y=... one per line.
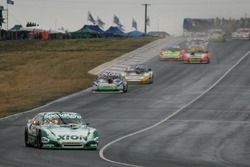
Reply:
x=196, y=43
x=171, y=53
x=60, y=130
x=110, y=82
x=216, y=35
x=198, y=36
x=196, y=55
x=139, y=73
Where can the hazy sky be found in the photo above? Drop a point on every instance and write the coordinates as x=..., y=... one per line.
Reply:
x=165, y=15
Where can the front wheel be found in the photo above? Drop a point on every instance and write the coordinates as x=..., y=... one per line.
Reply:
x=39, y=141
x=152, y=79
x=125, y=88
x=26, y=138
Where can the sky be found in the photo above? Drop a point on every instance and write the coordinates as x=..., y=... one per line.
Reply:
x=165, y=15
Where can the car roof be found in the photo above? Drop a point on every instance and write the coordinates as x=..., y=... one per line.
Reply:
x=109, y=75
x=56, y=112
x=173, y=48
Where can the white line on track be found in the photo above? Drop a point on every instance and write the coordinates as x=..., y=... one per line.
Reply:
x=101, y=152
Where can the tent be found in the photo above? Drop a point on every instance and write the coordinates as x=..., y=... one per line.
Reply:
x=94, y=28
x=16, y=27
x=85, y=32
x=114, y=32
x=136, y=34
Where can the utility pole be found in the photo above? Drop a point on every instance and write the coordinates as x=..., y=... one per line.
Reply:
x=146, y=16
x=7, y=10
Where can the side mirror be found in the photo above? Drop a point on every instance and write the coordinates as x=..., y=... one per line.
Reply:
x=87, y=124
x=149, y=69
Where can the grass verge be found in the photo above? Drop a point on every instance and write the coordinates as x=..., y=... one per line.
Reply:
x=35, y=72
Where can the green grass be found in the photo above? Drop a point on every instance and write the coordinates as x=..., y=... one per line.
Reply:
x=35, y=72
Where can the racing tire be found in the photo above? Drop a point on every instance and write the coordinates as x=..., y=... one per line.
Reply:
x=125, y=89
x=39, y=144
x=26, y=138
x=152, y=80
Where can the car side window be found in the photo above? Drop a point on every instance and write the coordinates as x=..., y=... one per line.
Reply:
x=40, y=119
x=37, y=120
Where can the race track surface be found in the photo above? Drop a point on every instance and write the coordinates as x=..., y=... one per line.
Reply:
x=214, y=131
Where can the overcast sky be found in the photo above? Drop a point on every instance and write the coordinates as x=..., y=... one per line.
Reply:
x=165, y=15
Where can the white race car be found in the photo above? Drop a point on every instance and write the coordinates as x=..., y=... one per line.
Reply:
x=216, y=35
x=198, y=36
x=241, y=33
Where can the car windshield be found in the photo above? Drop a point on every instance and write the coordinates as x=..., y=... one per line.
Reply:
x=138, y=69
x=108, y=76
x=196, y=50
x=173, y=49
x=62, y=119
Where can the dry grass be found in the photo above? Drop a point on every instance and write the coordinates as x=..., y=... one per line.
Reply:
x=35, y=72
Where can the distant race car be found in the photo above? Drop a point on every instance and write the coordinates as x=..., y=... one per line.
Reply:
x=196, y=55
x=139, y=73
x=197, y=43
x=241, y=33
x=216, y=35
x=171, y=53
x=60, y=130
x=110, y=82
x=198, y=36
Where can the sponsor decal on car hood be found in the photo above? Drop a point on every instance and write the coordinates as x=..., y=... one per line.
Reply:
x=70, y=134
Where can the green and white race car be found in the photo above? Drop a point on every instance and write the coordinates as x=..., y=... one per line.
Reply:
x=60, y=130
x=110, y=82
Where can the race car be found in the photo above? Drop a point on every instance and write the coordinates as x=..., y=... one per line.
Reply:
x=216, y=35
x=241, y=33
x=198, y=36
x=139, y=73
x=110, y=82
x=60, y=130
x=171, y=53
x=196, y=43
x=196, y=55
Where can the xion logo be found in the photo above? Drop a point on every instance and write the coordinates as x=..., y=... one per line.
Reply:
x=71, y=137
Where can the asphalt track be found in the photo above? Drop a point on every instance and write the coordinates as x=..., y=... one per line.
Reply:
x=212, y=132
